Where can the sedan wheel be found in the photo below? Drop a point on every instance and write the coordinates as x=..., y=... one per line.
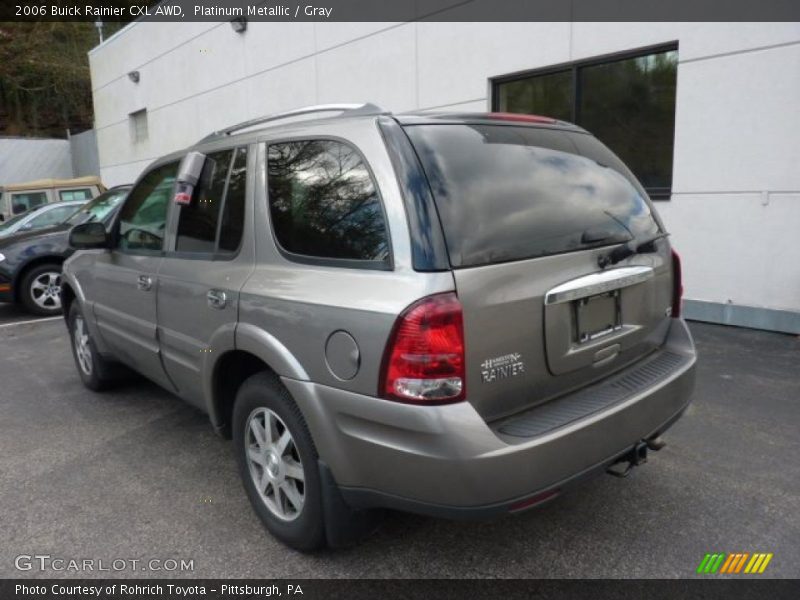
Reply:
x=45, y=290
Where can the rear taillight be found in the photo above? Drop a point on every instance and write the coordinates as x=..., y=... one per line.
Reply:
x=677, y=285
x=424, y=358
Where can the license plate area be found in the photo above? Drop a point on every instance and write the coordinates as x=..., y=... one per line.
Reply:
x=597, y=316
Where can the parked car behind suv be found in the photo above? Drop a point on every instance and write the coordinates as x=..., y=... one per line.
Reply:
x=41, y=217
x=458, y=315
x=30, y=261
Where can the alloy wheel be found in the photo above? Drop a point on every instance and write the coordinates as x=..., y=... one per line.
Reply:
x=46, y=290
x=274, y=464
x=83, y=351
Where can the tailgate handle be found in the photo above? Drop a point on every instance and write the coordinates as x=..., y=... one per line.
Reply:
x=597, y=283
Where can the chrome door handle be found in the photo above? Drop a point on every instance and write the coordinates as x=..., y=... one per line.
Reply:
x=145, y=283
x=217, y=298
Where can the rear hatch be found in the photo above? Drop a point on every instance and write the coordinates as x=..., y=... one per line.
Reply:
x=526, y=212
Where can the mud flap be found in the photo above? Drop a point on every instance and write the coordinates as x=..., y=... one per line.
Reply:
x=344, y=526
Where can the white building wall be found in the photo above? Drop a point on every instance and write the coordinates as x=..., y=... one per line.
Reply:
x=735, y=209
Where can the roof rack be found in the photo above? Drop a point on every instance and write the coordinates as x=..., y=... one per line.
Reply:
x=350, y=110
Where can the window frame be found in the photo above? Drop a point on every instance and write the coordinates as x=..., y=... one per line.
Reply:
x=574, y=67
x=171, y=252
x=322, y=261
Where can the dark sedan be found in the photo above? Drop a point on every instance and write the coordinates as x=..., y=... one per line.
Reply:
x=30, y=262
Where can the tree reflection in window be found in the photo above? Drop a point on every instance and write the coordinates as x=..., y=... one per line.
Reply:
x=324, y=203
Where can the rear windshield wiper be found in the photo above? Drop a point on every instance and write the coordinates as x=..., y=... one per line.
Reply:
x=633, y=247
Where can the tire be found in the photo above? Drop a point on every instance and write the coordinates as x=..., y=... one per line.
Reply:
x=40, y=292
x=290, y=508
x=96, y=372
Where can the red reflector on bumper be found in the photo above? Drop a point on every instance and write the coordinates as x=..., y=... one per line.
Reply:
x=533, y=500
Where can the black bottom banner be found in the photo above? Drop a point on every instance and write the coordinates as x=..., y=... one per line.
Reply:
x=389, y=589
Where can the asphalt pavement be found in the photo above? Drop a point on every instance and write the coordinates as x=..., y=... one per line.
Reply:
x=137, y=474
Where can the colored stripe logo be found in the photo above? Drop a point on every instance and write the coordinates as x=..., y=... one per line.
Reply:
x=734, y=563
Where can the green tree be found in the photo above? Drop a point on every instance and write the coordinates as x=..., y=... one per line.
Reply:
x=45, y=87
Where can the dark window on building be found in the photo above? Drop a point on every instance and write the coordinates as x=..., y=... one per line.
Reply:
x=230, y=235
x=627, y=102
x=143, y=217
x=197, y=223
x=324, y=203
x=550, y=94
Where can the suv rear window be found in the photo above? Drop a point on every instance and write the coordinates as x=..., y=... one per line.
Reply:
x=512, y=192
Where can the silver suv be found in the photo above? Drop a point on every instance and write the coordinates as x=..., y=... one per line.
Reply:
x=457, y=315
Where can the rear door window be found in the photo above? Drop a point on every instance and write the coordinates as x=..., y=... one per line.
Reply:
x=198, y=221
x=215, y=217
x=324, y=203
x=232, y=227
x=510, y=192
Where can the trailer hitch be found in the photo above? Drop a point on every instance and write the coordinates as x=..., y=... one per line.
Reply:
x=635, y=457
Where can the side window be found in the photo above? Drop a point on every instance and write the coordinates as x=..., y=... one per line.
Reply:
x=323, y=202
x=53, y=216
x=143, y=217
x=220, y=195
x=67, y=195
x=197, y=224
x=25, y=201
x=230, y=234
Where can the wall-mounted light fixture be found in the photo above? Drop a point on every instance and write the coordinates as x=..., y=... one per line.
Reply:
x=134, y=76
x=239, y=24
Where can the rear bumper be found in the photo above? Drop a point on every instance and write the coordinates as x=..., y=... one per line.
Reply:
x=446, y=461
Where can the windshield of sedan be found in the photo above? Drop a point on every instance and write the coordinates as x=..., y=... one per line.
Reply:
x=99, y=208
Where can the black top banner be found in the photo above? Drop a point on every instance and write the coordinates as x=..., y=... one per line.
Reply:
x=401, y=10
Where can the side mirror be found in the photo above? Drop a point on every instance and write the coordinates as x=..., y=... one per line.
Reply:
x=89, y=235
x=191, y=168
